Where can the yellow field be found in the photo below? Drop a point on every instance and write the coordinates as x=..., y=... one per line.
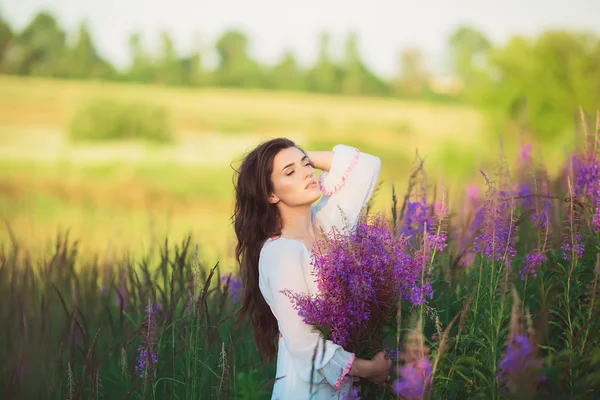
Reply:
x=129, y=195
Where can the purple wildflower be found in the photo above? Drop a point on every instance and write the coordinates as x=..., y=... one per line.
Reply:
x=576, y=246
x=525, y=154
x=519, y=364
x=416, y=218
x=353, y=394
x=413, y=378
x=155, y=309
x=147, y=355
x=496, y=242
x=586, y=172
x=524, y=193
x=144, y=362
x=532, y=261
x=234, y=286
x=360, y=277
x=472, y=195
x=596, y=219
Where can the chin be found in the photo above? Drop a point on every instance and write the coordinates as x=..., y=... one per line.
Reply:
x=314, y=195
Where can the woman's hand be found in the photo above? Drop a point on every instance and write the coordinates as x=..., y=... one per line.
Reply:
x=376, y=369
x=380, y=368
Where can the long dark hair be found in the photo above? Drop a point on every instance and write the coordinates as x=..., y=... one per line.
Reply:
x=255, y=220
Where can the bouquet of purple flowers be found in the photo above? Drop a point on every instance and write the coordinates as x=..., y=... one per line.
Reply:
x=362, y=275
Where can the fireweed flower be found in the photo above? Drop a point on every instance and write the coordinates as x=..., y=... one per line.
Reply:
x=533, y=260
x=519, y=365
x=576, y=245
x=586, y=174
x=234, y=286
x=416, y=217
x=496, y=241
x=144, y=362
x=415, y=375
x=353, y=394
x=360, y=277
x=147, y=356
x=413, y=378
x=596, y=218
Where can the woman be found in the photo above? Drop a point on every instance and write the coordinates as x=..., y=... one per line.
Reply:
x=275, y=223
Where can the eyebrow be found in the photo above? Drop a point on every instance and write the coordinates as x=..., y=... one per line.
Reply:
x=291, y=164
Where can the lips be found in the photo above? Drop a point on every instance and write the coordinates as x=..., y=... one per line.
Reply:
x=310, y=184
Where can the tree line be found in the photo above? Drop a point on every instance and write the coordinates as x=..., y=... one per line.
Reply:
x=539, y=80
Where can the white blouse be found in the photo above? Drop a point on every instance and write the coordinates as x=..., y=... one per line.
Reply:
x=285, y=264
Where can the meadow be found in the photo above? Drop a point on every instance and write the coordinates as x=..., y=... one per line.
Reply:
x=97, y=266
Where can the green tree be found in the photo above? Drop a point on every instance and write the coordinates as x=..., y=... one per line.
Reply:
x=552, y=75
x=192, y=73
x=236, y=68
x=352, y=82
x=40, y=49
x=287, y=74
x=169, y=69
x=142, y=68
x=412, y=77
x=6, y=38
x=84, y=61
x=324, y=76
x=470, y=49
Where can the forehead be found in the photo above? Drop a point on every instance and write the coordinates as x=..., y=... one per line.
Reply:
x=287, y=156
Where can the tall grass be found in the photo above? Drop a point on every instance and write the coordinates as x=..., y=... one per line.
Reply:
x=522, y=262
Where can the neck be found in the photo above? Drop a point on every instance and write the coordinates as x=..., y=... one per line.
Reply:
x=296, y=222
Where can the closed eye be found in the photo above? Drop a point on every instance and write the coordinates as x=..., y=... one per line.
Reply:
x=306, y=165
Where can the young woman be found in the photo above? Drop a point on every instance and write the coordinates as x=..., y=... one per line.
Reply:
x=275, y=222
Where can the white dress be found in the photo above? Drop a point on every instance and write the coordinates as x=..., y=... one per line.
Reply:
x=285, y=264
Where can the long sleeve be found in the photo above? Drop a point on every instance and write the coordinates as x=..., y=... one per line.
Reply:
x=347, y=187
x=282, y=266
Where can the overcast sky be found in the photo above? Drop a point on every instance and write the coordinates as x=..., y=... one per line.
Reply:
x=383, y=26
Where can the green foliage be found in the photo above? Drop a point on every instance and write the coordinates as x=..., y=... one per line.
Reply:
x=102, y=119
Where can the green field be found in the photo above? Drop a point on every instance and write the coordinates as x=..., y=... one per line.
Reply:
x=128, y=195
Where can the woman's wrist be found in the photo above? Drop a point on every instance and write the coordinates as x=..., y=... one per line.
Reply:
x=361, y=368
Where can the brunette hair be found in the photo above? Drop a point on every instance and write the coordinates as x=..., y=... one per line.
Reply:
x=255, y=220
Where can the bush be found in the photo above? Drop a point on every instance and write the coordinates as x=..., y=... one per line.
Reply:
x=102, y=119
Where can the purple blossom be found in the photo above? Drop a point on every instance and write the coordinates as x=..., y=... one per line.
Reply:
x=234, y=286
x=525, y=154
x=144, y=362
x=353, y=394
x=496, y=241
x=472, y=194
x=518, y=363
x=533, y=260
x=587, y=174
x=543, y=217
x=147, y=356
x=413, y=378
x=155, y=309
x=596, y=219
x=360, y=276
x=415, y=218
x=572, y=244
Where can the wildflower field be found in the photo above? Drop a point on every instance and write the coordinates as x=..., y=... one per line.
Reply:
x=508, y=304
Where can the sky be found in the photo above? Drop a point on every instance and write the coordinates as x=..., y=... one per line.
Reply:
x=383, y=27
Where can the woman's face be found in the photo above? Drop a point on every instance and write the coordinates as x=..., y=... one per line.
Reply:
x=294, y=179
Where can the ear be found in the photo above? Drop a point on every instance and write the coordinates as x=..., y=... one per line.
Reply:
x=273, y=199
